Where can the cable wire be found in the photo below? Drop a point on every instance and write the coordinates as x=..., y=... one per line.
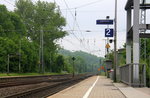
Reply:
x=9, y=3
x=84, y=5
x=77, y=24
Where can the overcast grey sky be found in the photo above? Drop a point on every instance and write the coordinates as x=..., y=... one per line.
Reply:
x=88, y=11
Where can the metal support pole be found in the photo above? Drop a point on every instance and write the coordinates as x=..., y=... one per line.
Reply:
x=105, y=46
x=20, y=55
x=149, y=71
x=115, y=42
x=136, y=42
x=107, y=18
x=144, y=75
x=50, y=62
x=42, y=51
x=143, y=42
x=40, y=54
x=73, y=68
x=8, y=64
x=128, y=41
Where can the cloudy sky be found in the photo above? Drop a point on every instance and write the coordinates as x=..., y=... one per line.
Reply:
x=87, y=12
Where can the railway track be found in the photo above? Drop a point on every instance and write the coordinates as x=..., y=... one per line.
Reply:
x=53, y=87
x=16, y=81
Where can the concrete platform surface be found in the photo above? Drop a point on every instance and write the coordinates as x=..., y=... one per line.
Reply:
x=102, y=87
x=93, y=87
x=131, y=92
x=144, y=90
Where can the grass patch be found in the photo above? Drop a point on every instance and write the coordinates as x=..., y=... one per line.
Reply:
x=26, y=74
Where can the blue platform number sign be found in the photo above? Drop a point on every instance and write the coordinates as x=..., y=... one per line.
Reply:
x=109, y=32
x=104, y=22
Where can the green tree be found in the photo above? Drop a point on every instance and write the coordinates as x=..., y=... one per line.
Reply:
x=42, y=17
x=11, y=24
x=7, y=46
x=59, y=64
x=29, y=56
x=11, y=30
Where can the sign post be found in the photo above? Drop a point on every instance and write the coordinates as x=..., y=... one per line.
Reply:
x=109, y=32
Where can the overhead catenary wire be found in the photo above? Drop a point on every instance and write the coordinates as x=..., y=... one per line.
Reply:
x=79, y=39
x=36, y=30
x=74, y=17
x=72, y=31
x=88, y=4
x=72, y=43
x=77, y=23
x=10, y=3
x=83, y=45
x=84, y=5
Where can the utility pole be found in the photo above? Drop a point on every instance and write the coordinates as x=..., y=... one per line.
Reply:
x=8, y=64
x=20, y=53
x=115, y=42
x=42, y=52
x=40, y=55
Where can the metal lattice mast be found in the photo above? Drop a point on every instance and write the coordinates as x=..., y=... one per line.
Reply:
x=143, y=41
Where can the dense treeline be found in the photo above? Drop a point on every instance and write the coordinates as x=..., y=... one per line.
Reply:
x=84, y=62
x=20, y=33
x=30, y=26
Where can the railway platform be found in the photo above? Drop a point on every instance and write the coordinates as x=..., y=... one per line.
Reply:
x=101, y=87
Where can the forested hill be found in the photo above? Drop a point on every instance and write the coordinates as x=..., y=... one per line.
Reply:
x=92, y=62
x=89, y=58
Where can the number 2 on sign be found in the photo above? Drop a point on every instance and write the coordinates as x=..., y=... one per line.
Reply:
x=108, y=31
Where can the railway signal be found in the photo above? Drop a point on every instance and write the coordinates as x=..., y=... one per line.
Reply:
x=73, y=59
